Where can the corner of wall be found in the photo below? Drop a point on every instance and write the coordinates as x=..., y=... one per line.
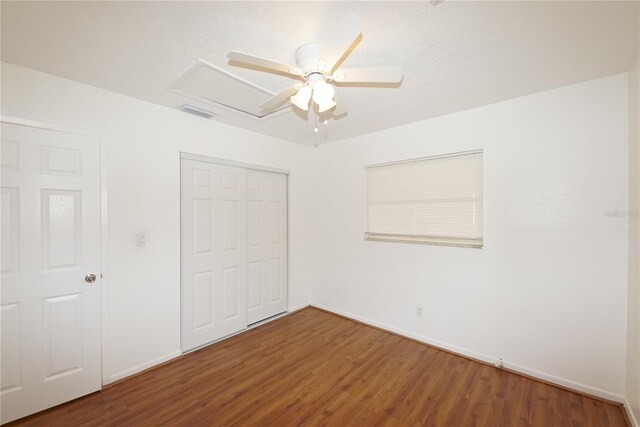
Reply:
x=632, y=389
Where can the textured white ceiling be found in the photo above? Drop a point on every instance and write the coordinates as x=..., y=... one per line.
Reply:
x=456, y=55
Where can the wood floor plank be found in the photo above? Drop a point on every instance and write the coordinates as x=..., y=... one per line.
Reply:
x=314, y=368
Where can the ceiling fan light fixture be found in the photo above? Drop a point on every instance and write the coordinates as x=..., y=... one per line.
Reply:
x=323, y=93
x=326, y=106
x=302, y=98
x=318, y=65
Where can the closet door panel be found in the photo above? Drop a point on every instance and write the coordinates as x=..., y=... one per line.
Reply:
x=267, y=244
x=213, y=252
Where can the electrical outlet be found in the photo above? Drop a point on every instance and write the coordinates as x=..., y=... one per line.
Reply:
x=419, y=311
x=141, y=238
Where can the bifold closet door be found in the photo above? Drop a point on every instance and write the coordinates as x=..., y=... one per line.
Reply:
x=213, y=252
x=267, y=244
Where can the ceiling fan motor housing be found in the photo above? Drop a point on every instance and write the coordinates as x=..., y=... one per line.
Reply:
x=307, y=58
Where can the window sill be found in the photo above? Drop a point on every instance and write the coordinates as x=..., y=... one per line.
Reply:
x=425, y=240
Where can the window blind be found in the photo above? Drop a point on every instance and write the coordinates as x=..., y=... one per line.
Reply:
x=435, y=200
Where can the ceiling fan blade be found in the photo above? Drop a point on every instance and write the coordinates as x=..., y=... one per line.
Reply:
x=369, y=75
x=275, y=101
x=264, y=63
x=342, y=36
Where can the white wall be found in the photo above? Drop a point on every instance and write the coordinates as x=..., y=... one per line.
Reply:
x=633, y=312
x=548, y=291
x=144, y=141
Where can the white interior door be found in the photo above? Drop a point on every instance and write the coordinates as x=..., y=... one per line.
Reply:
x=213, y=251
x=50, y=315
x=267, y=244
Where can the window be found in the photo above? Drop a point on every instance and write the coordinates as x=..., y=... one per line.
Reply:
x=433, y=200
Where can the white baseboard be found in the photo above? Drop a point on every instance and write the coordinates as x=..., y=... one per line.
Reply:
x=146, y=365
x=433, y=342
x=632, y=418
x=151, y=363
x=297, y=307
x=483, y=357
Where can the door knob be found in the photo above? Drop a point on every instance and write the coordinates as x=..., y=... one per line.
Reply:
x=90, y=278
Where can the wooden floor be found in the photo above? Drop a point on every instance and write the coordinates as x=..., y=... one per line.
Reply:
x=312, y=368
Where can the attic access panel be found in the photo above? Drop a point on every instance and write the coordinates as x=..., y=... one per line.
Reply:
x=211, y=85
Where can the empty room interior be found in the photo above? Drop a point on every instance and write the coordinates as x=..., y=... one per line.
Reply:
x=421, y=213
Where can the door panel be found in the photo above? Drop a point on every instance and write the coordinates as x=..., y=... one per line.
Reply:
x=213, y=252
x=230, y=291
x=254, y=284
x=50, y=240
x=11, y=348
x=276, y=281
x=202, y=300
x=62, y=229
x=10, y=242
x=267, y=244
x=63, y=320
x=230, y=225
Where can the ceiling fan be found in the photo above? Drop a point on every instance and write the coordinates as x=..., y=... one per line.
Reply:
x=316, y=67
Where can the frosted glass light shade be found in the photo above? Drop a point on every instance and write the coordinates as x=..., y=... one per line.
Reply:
x=323, y=92
x=326, y=106
x=301, y=99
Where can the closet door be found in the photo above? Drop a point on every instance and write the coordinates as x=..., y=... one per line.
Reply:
x=267, y=244
x=213, y=252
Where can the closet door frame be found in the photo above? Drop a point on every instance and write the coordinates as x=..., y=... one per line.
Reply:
x=248, y=166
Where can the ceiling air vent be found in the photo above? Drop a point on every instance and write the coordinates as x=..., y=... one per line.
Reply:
x=214, y=86
x=197, y=111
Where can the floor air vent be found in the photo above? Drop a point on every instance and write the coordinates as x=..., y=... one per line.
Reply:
x=197, y=111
